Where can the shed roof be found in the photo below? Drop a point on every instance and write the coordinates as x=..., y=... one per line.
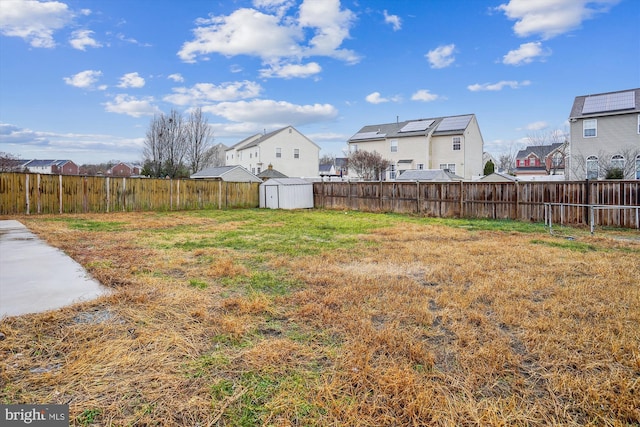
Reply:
x=286, y=181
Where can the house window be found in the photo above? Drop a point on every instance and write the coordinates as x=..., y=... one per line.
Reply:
x=451, y=167
x=590, y=128
x=354, y=148
x=532, y=161
x=592, y=167
x=617, y=162
x=296, y=153
x=278, y=152
x=394, y=145
x=457, y=143
x=392, y=172
x=638, y=166
x=420, y=166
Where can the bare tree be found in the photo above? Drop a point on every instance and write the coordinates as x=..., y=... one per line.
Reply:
x=547, y=137
x=507, y=160
x=199, y=136
x=165, y=146
x=214, y=156
x=8, y=162
x=368, y=165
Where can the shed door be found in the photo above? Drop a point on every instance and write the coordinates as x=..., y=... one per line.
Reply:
x=271, y=197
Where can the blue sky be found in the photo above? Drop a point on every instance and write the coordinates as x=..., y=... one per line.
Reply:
x=81, y=80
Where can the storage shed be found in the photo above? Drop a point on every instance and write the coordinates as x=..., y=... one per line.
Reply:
x=286, y=193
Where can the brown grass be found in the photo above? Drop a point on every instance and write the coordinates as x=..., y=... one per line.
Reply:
x=417, y=324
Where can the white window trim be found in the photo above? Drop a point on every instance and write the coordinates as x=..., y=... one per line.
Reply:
x=394, y=145
x=278, y=152
x=296, y=153
x=459, y=143
x=595, y=160
x=595, y=127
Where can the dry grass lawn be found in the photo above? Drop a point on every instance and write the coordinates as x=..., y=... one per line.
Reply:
x=255, y=317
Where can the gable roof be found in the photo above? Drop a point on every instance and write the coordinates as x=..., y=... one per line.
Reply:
x=540, y=151
x=428, y=175
x=417, y=127
x=219, y=172
x=271, y=173
x=258, y=139
x=606, y=104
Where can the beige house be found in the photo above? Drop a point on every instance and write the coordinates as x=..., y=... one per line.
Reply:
x=451, y=143
x=605, y=136
x=286, y=150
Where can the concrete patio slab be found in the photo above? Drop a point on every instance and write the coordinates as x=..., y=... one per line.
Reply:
x=36, y=277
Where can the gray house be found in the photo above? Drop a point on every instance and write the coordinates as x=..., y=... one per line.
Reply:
x=605, y=136
x=226, y=173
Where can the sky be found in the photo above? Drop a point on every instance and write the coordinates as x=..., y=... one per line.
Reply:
x=82, y=79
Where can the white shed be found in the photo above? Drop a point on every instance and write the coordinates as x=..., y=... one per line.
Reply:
x=286, y=193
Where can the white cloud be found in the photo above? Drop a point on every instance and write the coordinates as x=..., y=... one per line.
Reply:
x=85, y=80
x=131, y=80
x=81, y=148
x=202, y=93
x=441, y=56
x=81, y=39
x=33, y=21
x=132, y=106
x=394, y=20
x=288, y=71
x=550, y=18
x=376, y=98
x=537, y=125
x=273, y=37
x=176, y=77
x=498, y=86
x=424, y=95
x=275, y=113
x=525, y=54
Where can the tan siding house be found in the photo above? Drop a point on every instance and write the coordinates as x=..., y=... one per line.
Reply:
x=605, y=135
x=453, y=143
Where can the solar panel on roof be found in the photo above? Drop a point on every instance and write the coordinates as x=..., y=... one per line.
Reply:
x=609, y=102
x=417, y=125
x=367, y=135
x=454, y=123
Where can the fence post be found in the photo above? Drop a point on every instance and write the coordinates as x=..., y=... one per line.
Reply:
x=219, y=194
x=517, y=200
x=26, y=191
x=38, y=195
x=587, y=200
x=60, y=191
x=462, y=200
x=418, y=196
x=124, y=194
x=108, y=194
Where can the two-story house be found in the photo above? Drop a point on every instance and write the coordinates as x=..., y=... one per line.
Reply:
x=605, y=136
x=451, y=143
x=125, y=169
x=541, y=160
x=286, y=150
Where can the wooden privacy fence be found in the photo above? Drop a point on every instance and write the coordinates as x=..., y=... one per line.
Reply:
x=523, y=201
x=22, y=193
